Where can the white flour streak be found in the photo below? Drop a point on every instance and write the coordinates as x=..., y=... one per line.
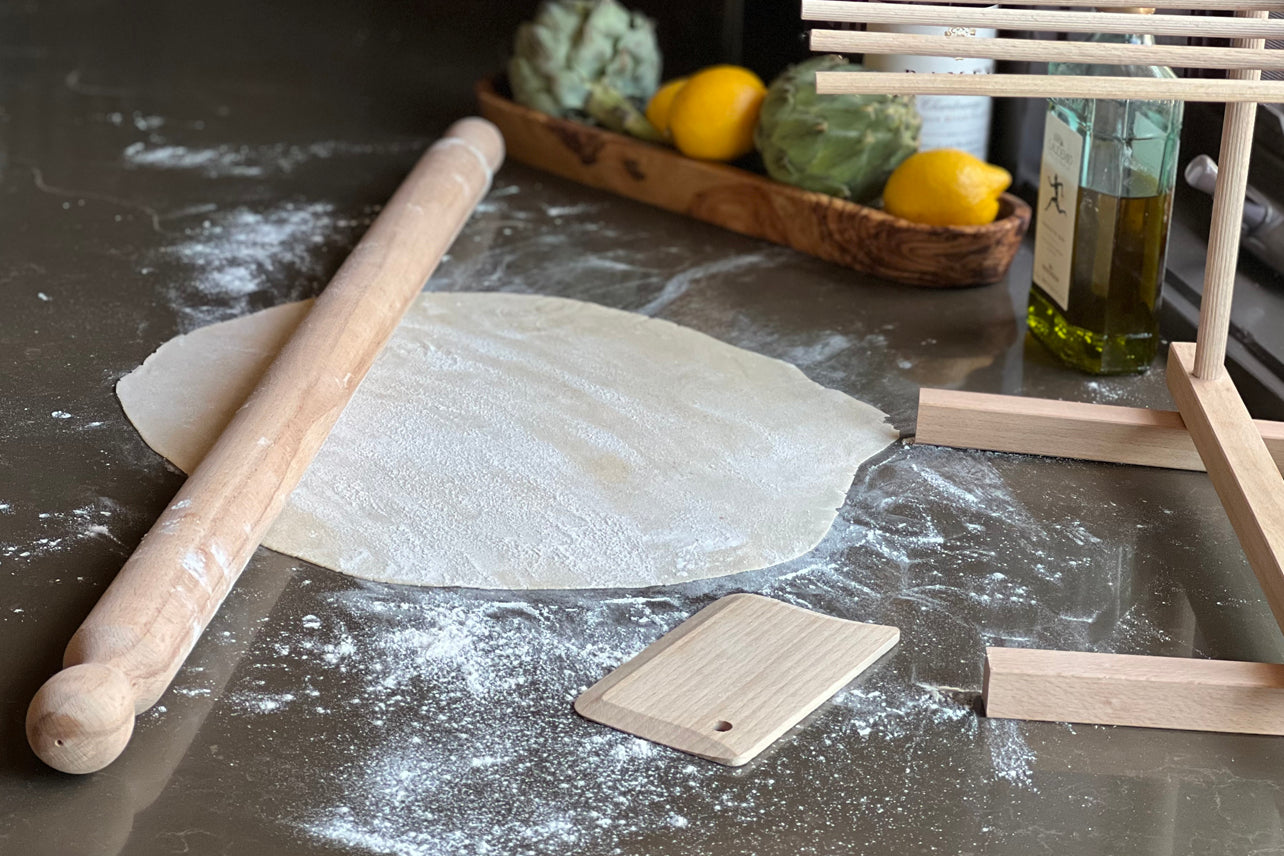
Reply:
x=235, y=254
x=254, y=161
x=570, y=210
x=236, y=250
x=678, y=284
x=915, y=711
x=828, y=347
x=213, y=162
x=1013, y=759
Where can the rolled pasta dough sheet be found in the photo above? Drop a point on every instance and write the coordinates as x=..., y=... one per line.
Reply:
x=517, y=441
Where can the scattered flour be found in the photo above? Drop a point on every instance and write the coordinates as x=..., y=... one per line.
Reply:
x=1110, y=390
x=234, y=255
x=236, y=249
x=450, y=710
x=253, y=161
x=1013, y=760
x=545, y=243
x=58, y=531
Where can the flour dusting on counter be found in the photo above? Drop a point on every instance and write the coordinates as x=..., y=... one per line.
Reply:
x=253, y=161
x=386, y=719
x=451, y=709
x=443, y=718
x=234, y=255
x=55, y=531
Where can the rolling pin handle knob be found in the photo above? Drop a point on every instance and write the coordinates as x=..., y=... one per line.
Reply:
x=82, y=718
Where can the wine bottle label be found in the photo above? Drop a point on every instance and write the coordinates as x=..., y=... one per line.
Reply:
x=1058, y=201
x=949, y=121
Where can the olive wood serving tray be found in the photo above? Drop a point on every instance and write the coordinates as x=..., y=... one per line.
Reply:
x=856, y=236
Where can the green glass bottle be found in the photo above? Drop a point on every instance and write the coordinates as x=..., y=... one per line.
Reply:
x=1101, y=234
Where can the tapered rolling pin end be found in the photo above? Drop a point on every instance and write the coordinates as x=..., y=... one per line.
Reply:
x=82, y=717
x=478, y=134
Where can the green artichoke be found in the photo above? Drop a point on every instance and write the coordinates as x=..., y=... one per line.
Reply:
x=843, y=145
x=588, y=58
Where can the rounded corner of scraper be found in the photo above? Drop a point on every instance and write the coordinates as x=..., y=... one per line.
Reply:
x=583, y=704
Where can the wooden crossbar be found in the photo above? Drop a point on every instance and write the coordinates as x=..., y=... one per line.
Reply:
x=1193, y=5
x=1066, y=429
x=1038, y=86
x=1122, y=689
x=1039, y=50
x=1040, y=20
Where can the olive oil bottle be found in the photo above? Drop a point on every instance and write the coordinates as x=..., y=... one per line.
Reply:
x=1101, y=234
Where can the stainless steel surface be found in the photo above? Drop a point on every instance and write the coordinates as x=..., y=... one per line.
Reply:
x=324, y=715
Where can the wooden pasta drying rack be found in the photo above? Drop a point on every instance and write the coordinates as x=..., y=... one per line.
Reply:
x=1211, y=421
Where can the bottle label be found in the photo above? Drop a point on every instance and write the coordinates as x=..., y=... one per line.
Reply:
x=1058, y=201
x=949, y=121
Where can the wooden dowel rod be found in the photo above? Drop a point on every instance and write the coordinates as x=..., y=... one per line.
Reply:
x=1197, y=5
x=1223, y=236
x=1039, y=20
x=135, y=639
x=1039, y=85
x=1041, y=50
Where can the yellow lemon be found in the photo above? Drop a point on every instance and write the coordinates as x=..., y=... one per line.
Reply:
x=657, y=109
x=945, y=187
x=713, y=115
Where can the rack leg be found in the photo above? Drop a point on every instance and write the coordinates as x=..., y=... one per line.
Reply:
x=1247, y=482
x=1228, y=213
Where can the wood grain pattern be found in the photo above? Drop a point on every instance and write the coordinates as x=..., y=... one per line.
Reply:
x=1038, y=50
x=135, y=639
x=848, y=234
x=1040, y=20
x=1247, y=481
x=1120, y=689
x=725, y=683
x=1036, y=86
x=1224, y=233
x=1210, y=5
x=1067, y=429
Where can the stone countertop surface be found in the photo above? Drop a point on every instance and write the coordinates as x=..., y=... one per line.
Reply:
x=163, y=167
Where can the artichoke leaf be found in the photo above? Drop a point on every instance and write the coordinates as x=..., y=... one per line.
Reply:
x=611, y=109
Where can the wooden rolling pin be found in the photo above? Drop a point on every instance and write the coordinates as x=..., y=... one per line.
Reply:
x=133, y=642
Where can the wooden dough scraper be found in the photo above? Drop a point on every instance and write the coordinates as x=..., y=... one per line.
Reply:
x=728, y=681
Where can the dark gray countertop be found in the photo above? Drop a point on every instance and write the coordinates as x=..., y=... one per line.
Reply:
x=162, y=169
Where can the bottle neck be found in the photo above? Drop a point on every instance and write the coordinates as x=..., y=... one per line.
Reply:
x=1123, y=38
